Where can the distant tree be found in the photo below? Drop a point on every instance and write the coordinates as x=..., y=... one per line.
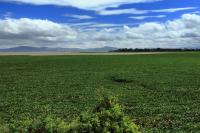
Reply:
x=156, y=50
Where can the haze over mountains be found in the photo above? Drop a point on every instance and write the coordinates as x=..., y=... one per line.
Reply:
x=43, y=49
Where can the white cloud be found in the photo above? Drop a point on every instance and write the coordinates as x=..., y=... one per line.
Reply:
x=170, y=10
x=78, y=16
x=196, y=12
x=100, y=6
x=122, y=11
x=182, y=32
x=94, y=26
x=136, y=11
x=144, y=17
x=82, y=4
x=34, y=31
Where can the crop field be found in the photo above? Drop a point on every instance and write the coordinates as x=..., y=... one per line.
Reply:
x=160, y=92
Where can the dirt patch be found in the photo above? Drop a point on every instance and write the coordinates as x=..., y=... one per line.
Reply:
x=127, y=80
x=120, y=79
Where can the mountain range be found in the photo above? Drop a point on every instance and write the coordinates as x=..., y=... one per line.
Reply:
x=59, y=49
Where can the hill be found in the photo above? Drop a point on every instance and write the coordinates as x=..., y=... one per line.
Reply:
x=59, y=49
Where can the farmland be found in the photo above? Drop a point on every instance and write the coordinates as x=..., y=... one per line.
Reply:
x=160, y=92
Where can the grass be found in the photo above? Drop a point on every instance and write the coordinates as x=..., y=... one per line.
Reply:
x=161, y=92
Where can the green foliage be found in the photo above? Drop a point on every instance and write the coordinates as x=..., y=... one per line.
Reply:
x=160, y=92
x=3, y=128
x=107, y=117
x=41, y=124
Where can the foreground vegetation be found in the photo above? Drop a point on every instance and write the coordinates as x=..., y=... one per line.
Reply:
x=107, y=117
x=161, y=93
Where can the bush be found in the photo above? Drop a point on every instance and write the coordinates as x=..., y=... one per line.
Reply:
x=42, y=124
x=3, y=128
x=107, y=117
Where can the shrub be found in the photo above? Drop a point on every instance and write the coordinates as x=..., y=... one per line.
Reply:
x=3, y=128
x=107, y=117
x=42, y=124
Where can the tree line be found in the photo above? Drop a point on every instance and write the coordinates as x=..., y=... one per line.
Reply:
x=156, y=50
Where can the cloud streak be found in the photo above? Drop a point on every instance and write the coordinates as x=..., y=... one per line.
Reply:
x=136, y=11
x=78, y=16
x=171, y=10
x=145, y=17
x=7, y=14
x=82, y=4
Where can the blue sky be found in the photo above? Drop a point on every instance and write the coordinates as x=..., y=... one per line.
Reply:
x=110, y=21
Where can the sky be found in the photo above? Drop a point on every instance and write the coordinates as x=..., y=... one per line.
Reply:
x=100, y=23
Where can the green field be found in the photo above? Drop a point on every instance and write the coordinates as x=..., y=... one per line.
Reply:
x=159, y=92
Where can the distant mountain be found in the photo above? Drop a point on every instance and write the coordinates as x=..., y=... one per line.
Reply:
x=43, y=49
x=103, y=49
x=23, y=49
